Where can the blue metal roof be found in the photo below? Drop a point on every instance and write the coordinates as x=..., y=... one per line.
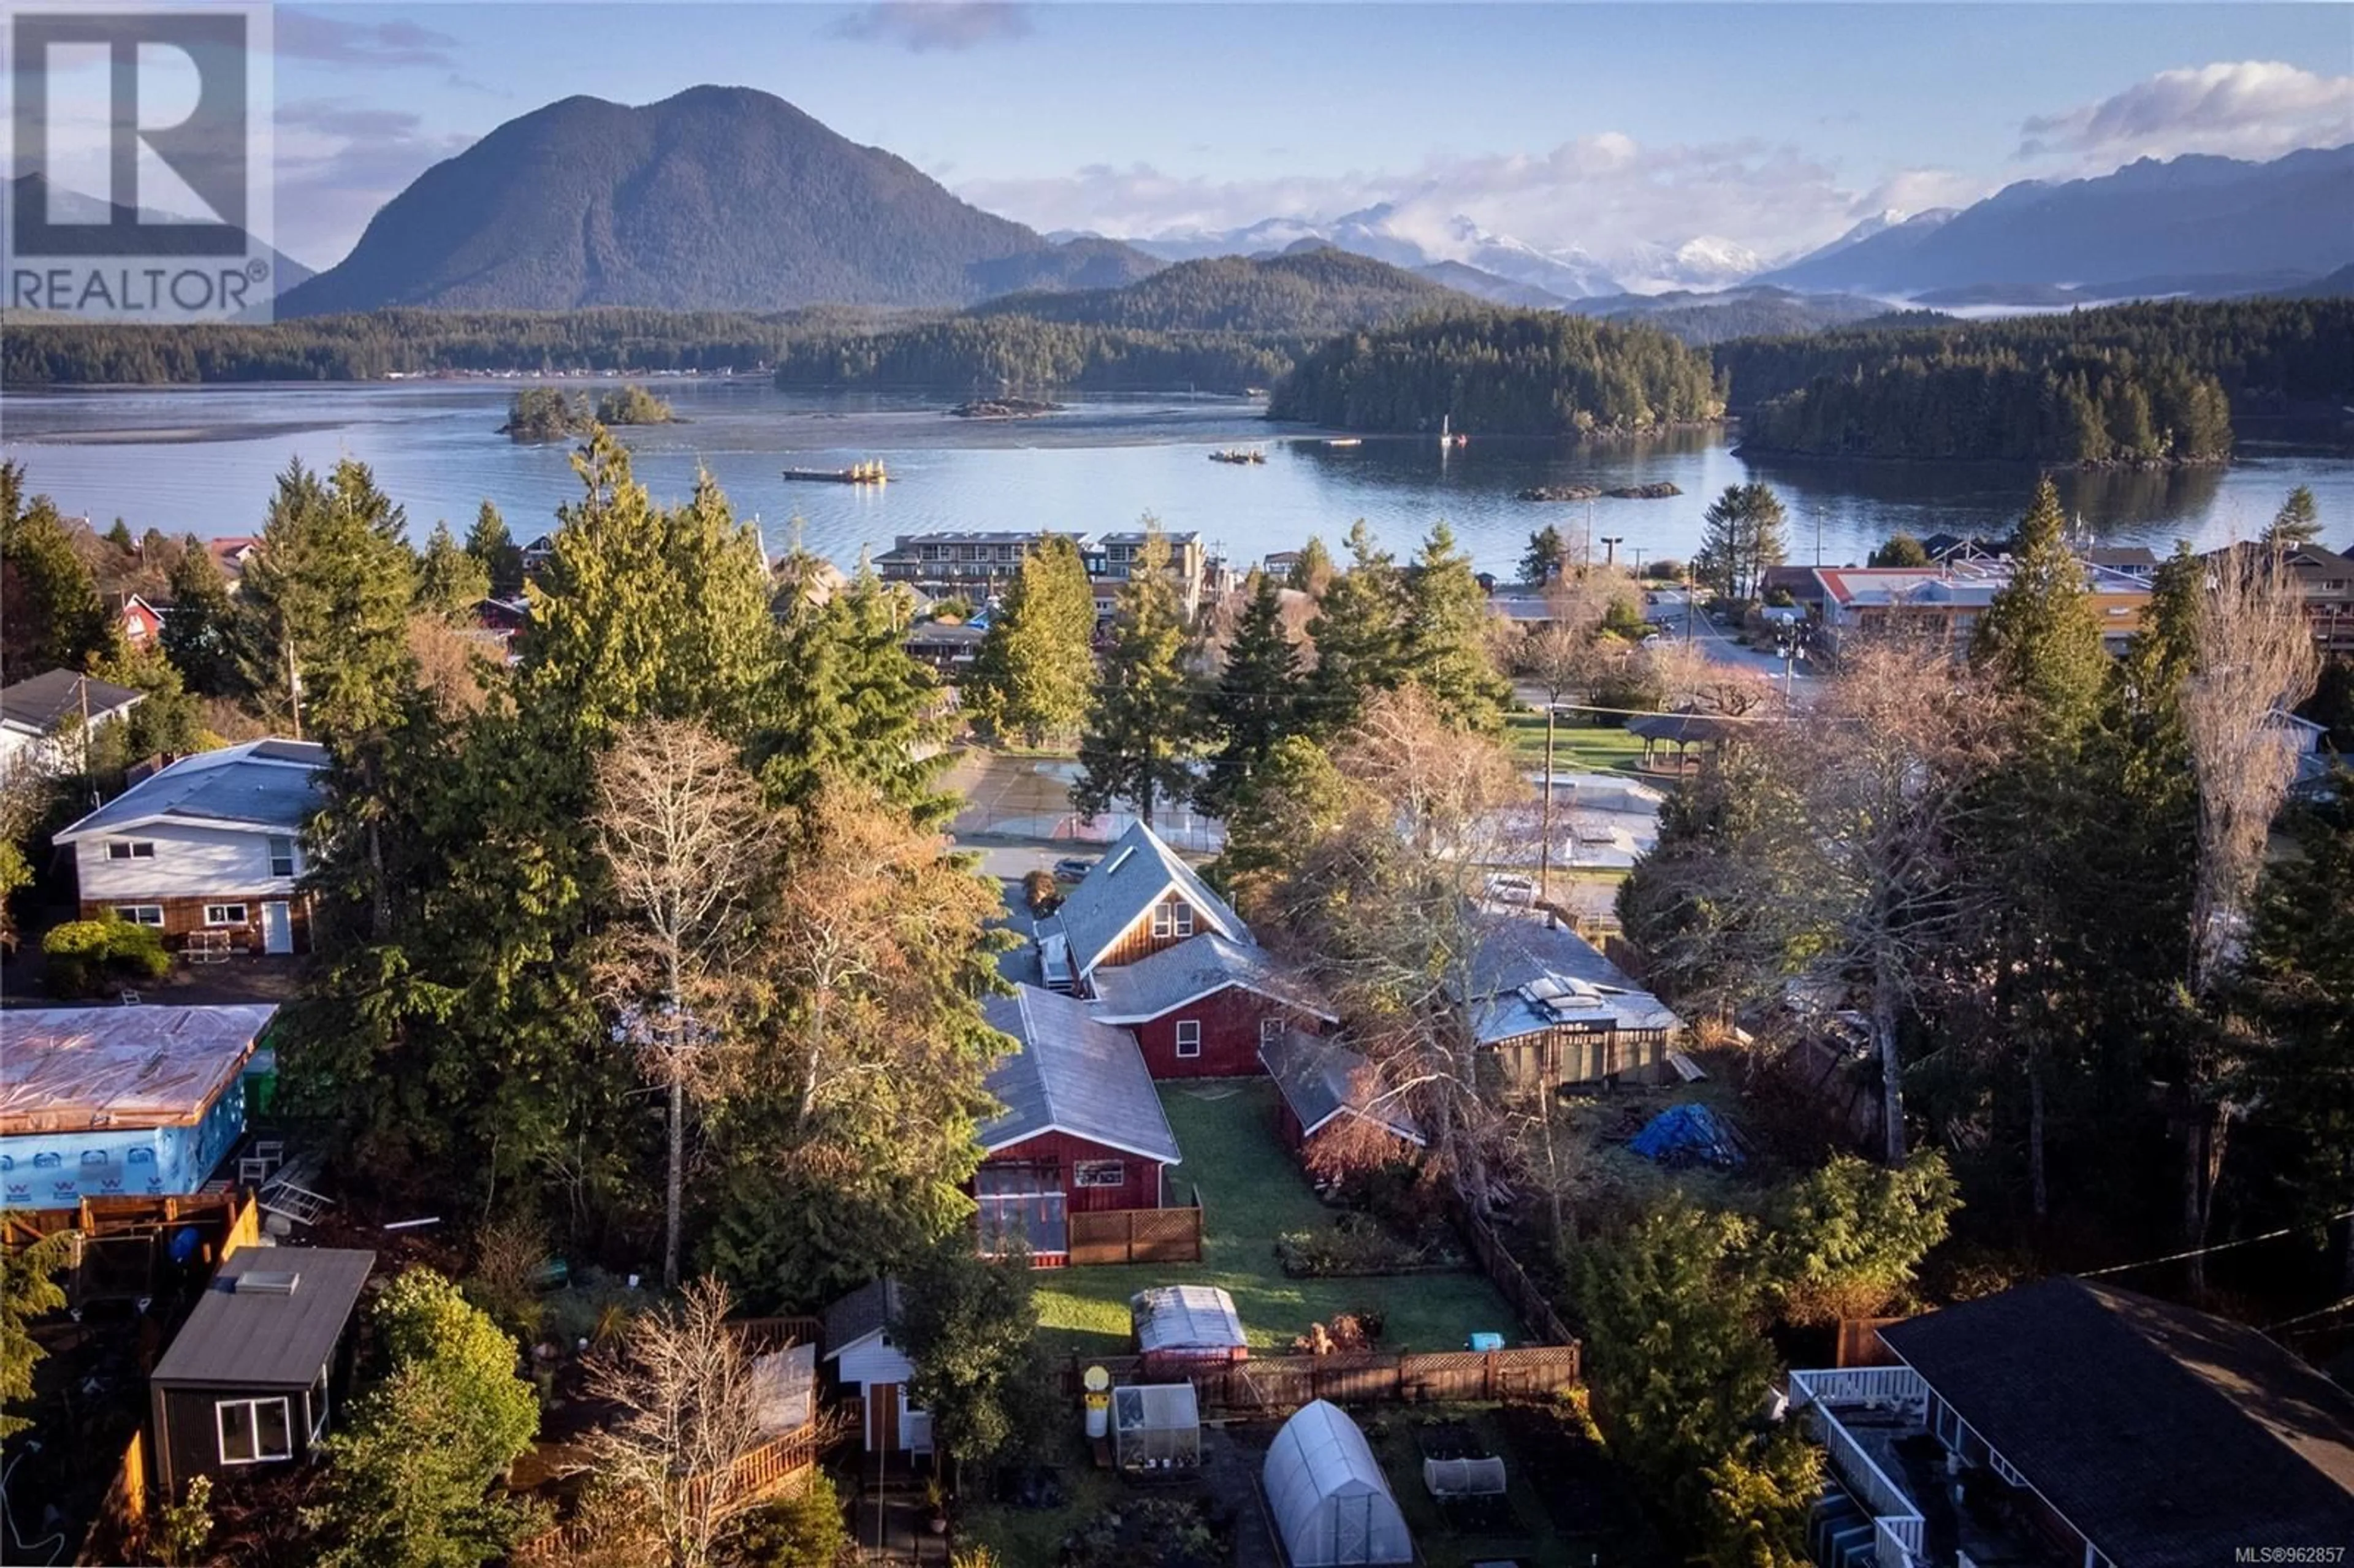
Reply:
x=267, y=784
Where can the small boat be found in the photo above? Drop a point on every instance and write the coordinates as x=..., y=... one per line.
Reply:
x=1446, y=436
x=1238, y=455
x=856, y=473
x=1344, y=442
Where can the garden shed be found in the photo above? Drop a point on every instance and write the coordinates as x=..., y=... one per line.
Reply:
x=1327, y=1496
x=1156, y=1426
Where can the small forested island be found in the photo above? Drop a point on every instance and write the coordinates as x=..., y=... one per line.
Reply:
x=1005, y=408
x=545, y=414
x=1497, y=372
x=1658, y=491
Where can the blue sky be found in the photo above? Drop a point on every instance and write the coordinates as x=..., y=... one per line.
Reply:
x=1774, y=126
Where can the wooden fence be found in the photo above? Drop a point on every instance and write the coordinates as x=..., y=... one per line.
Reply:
x=776, y=1469
x=1513, y=1281
x=1860, y=1344
x=1272, y=1385
x=122, y=1513
x=1138, y=1235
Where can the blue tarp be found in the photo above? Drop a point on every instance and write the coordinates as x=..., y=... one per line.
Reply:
x=1686, y=1135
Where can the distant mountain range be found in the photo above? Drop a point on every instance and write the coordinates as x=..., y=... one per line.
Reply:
x=719, y=198
x=2192, y=225
x=728, y=198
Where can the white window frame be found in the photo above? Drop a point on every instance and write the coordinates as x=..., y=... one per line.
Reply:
x=218, y=914
x=317, y=1399
x=252, y=1407
x=1173, y=918
x=137, y=913
x=1189, y=1037
x=1082, y=1168
x=1270, y=1028
x=288, y=860
x=130, y=849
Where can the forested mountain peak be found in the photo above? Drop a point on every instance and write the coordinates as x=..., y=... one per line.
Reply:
x=1316, y=290
x=718, y=198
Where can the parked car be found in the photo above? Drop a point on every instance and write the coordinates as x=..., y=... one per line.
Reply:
x=1073, y=869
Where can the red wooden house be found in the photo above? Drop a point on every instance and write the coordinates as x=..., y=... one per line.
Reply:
x=1082, y=1131
x=1202, y=1008
x=1137, y=900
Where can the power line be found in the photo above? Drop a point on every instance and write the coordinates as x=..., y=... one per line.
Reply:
x=2219, y=1247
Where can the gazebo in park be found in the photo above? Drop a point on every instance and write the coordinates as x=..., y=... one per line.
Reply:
x=1682, y=731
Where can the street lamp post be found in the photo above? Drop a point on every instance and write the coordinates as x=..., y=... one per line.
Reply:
x=1610, y=543
x=1788, y=648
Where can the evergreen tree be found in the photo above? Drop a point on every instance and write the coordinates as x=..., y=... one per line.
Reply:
x=488, y=542
x=50, y=615
x=1139, y=741
x=1035, y=667
x=1743, y=537
x=1313, y=570
x=644, y=611
x=325, y=606
x=2040, y=637
x=418, y=1475
x=449, y=580
x=200, y=628
x=1542, y=561
x=1357, y=631
x=120, y=537
x=2298, y=522
x=856, y=705
x=1444, y=645
x=1899, y=550
x=168, y=720
x=1256, y=702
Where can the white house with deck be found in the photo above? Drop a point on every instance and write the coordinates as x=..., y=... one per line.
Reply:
x=209, y=851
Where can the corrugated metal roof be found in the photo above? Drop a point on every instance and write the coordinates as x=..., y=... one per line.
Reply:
x=271, y=784
x=277, y=1338
x=68, y=1068
x=1131, y=878
x=1318, y=1078
x=1073, y=1074
x=1186, y=1318
x=1131, y=994
x=1518, y=952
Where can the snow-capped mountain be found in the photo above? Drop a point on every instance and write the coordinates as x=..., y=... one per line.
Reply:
x=1709, y=262
x=1405, y=237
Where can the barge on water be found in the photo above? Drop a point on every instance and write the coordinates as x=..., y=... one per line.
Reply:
x=856, y=473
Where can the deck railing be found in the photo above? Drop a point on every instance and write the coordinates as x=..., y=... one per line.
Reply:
x=1897, y=1527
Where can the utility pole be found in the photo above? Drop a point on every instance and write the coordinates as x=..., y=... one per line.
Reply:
x=1819, y=534
x=1639, y=560
x=1585, y=550
x=1544, y=832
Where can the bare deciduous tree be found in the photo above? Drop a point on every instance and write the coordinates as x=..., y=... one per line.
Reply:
x=685, y=838
x=1862, y=882
x=2254, y=661
x=689, y=1411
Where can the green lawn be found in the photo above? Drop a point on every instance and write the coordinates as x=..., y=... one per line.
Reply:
x=1578, y=746
x=1252, y=1188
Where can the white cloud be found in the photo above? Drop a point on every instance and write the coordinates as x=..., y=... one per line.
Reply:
x=337, y=165
x=921, y=25
x=2245, y=108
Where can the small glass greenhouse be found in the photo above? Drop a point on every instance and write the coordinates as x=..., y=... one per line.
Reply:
x=1329, y=1496
x=1156, y=1426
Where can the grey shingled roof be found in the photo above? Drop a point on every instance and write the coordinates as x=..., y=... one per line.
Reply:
x=870, y=1306
x=1131, y=994
x=1129, y=880
x=1320, y=1078
x=43, y=701
x=1515, y=950
x=1076, y=1075
x=271, y=784
x=248, y=1340
x=2168, y=1436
